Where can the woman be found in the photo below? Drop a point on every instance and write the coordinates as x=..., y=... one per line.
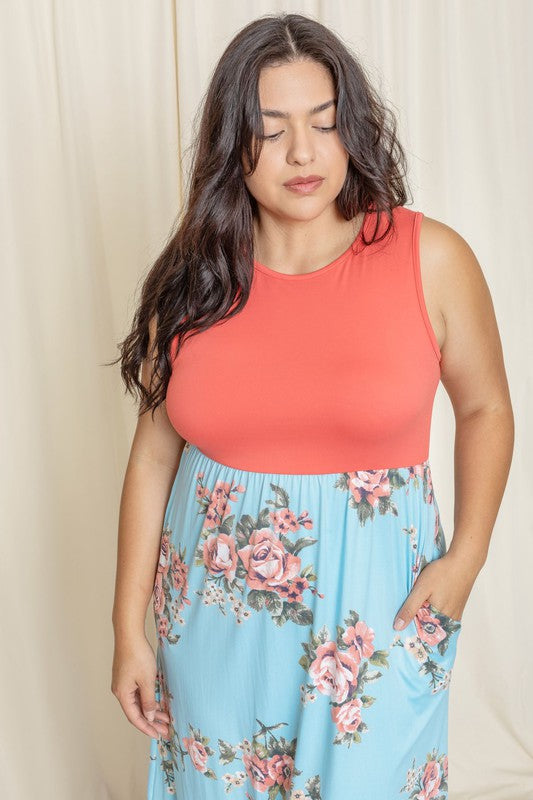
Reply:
x=278, y=505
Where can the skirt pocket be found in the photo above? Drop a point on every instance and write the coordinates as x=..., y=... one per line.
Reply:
x=457, y=623
x=431, y=641
x=438, y=634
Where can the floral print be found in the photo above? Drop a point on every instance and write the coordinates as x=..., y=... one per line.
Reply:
x=257, y=557
x=428, y=646
x=371, y=491
x=165, y=751
x=257, y=705
x=268, y=761
x=170, y=588
x=340, y=669
x=428, y=781
x=420, y=476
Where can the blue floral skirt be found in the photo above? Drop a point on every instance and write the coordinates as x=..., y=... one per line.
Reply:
x=277, y=660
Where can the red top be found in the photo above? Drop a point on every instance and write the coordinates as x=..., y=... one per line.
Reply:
x=332, y=371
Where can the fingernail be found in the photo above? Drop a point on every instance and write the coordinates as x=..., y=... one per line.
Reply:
x=398, y=623
x=150, y=715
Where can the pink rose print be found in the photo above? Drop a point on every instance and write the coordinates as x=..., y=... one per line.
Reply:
x=257, y=769
x=268, y=760
x=281, y=767
x=267, y=563
x=369, y=485
x=262, y=563
x=334, y=672
x=428, y=781
x=195, y=745
x=371, y=491
x=361, y=637
x=347, y=717
x=197, y=753
x=169, y=594
x=340, y=669
x=269, y=764
x=220, y=556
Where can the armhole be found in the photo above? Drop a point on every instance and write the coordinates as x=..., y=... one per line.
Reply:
x=418, y=283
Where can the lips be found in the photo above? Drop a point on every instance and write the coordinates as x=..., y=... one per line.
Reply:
x=303, y=179
x=307, y=187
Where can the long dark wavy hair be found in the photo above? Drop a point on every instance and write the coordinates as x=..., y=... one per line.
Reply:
x=204, y=272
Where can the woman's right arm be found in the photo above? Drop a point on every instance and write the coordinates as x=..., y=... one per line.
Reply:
x=154, y=458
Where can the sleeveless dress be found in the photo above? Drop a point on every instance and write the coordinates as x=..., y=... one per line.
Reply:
x=301, y=513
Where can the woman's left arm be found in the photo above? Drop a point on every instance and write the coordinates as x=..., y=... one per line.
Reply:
x=473, y=374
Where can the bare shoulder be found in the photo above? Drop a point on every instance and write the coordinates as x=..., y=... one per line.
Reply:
x=451, y=274
x=445, y=254
x=460, y=304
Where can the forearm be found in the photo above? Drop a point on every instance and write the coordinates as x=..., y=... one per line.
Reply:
x=483, y=453
x=144, y=497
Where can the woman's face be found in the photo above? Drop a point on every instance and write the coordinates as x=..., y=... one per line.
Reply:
x=305, y=142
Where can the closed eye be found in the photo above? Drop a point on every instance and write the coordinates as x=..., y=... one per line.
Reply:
x=275, y=136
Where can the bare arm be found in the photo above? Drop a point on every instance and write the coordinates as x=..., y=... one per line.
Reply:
x=154, y=458
x=473, y=374
x=145, y=493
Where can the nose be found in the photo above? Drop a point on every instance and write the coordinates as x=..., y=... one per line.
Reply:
x=301, y=149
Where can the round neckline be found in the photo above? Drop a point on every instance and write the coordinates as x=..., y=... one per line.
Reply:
x=353, y=247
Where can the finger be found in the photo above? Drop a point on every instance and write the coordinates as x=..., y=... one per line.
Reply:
x=137, y=718
x=407, y=612
x=147, y=697
x=161, y=719
x=162, y=716
x=132, y=709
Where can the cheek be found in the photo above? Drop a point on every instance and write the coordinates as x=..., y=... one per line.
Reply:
x=338, y=165
x=271, y=163
x=338, y=156
x=263, y=183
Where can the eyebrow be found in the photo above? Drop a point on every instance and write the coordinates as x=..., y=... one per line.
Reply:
x=271, y=112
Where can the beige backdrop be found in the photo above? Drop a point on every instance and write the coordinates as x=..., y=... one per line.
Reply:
x=97, y=105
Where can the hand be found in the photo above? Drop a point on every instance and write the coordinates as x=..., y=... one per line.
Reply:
x=133, y=684
x=446, y=582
